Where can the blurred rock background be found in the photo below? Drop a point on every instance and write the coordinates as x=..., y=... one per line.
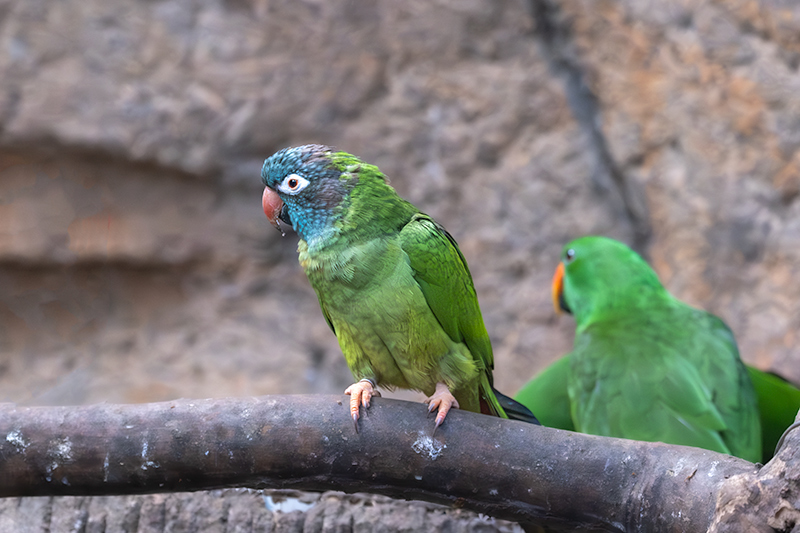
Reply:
x=135, y=261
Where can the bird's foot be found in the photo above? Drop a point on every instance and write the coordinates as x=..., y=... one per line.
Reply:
x=443, y=400
x=360, y=394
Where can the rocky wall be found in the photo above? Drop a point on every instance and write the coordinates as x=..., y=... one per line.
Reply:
x=135, y=262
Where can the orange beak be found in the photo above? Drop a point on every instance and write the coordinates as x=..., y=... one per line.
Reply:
x=558, y=287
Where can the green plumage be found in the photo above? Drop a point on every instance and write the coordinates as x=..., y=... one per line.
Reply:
x=391, y=282
x=644, y=365
x=778, y=401
x=778, y=404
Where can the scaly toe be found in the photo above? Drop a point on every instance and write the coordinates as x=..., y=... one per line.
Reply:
x=360, y=393
x=443, y=400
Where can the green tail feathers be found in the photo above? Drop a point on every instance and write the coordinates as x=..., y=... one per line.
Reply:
x=778, y=404
x=546, y=395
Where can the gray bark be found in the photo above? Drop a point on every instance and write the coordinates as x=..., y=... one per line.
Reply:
x=501, y=468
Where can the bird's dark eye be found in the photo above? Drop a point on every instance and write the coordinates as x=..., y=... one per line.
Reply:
x=292, y=183
x=569, y=255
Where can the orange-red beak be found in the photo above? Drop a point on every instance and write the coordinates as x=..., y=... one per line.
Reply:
x=272, y=205
x=558, y=287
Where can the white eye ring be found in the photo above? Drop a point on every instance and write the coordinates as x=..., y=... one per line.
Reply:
x=293, y=184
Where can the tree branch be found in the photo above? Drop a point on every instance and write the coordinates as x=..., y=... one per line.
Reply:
x=498, y=467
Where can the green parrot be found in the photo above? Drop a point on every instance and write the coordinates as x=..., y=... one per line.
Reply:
x=391, y=282
x=644, y=365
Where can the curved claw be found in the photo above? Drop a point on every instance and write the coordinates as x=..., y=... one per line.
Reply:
x=360, y=393
x=443, y=400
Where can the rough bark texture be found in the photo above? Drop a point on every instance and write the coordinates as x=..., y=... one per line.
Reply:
x=766, y=501
x=502, y=468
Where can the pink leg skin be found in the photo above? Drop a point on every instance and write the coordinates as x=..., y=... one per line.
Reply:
x=442, y=399
x=360, y=393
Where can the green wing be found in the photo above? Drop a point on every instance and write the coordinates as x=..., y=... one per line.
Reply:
x=546, y=395
x=444, y=278
x=641, y=398
x=778, y=401
x=778, y=404
x=644, y=401
x=678, y=381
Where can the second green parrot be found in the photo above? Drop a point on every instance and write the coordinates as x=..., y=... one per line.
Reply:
x=644, y=365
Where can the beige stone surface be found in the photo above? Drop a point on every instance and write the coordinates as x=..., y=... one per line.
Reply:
x=136, y=264
x=241, y=511
x=700, y=104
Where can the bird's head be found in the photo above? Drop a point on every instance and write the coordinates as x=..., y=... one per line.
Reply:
x=305, y=188
x=596, y=273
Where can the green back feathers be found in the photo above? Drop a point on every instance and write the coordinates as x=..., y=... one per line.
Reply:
x=372, y=207
x=778, y=404
x=778, y=401
x=444, y=277
x=440, y=269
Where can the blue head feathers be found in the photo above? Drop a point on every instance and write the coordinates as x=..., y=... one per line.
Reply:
x=308, y=188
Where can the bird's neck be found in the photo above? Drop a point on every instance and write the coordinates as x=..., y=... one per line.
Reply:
x=623, y=306
x=366, y=213
x=316, y=226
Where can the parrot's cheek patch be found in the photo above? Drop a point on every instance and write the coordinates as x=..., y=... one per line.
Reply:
x=272, y=204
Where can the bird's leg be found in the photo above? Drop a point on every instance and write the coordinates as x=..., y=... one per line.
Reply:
x=442, y=399
x=360, y=393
